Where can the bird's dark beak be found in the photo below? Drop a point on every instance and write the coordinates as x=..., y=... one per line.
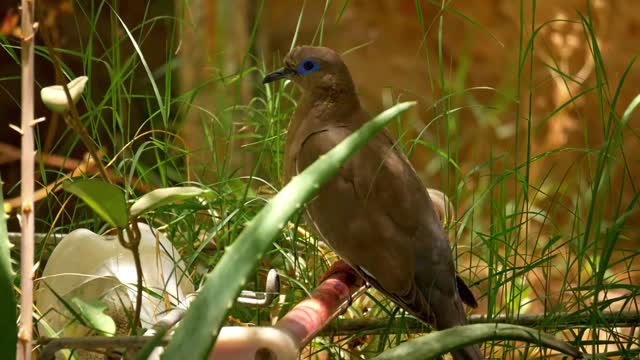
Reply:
x=278, y=74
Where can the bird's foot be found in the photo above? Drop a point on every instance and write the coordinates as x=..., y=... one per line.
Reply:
x=346, y=271
x=339, y=267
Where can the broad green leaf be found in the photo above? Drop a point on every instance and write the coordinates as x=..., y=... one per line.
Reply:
x=161, y=197
x=93, y=313
x=432, y=345
x=107, y=200
x=197, y=332
x=7, y=296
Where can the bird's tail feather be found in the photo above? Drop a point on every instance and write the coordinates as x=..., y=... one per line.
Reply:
x=450, y=313
x=465, y=294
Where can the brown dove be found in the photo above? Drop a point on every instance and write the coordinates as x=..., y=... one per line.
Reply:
x=375, y=213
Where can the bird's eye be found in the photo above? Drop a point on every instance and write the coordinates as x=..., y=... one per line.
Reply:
x=307, y=66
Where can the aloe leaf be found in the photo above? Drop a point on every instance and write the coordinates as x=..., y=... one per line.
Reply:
x=432, y=345
x=7, y=296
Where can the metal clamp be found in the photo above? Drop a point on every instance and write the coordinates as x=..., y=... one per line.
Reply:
x=262, y=298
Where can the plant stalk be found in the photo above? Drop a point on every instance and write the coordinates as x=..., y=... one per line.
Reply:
x=27, y=168
x=133, y=244
x=72, y=118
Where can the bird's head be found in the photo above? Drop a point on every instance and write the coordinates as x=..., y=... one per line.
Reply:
x=314, y=69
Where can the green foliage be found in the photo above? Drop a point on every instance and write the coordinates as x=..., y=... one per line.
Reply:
x=8, y=325
x=165, y=196
x=438, y=343
x=107, y=200
x=197, y=332
x=93, y=314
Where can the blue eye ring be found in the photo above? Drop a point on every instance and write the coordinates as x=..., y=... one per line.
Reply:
x=307, y=66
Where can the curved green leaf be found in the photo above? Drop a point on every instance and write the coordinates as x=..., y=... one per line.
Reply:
x=197, y=332
x=165, y=196
x=93, y=313
x=432, y=345
x=107, y=200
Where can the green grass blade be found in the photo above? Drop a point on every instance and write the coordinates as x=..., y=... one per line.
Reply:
x=156, y=91
x=197, y=333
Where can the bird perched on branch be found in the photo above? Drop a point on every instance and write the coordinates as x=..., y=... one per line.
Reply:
x=375, y=213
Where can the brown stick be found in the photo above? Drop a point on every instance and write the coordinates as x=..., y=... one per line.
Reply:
x=347, y=327
x=558, y=321
x=27, y=167
x=92, y=343
x=132, y=244
x=78, y=168
x=12, y=153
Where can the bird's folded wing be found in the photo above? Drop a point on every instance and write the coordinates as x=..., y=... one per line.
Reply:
x=369, y=215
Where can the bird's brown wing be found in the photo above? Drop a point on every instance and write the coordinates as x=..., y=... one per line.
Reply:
x=375, y=216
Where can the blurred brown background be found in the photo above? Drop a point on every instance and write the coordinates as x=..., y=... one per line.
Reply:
x=393, y=54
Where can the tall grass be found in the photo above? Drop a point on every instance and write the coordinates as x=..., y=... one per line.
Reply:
x=531, y=236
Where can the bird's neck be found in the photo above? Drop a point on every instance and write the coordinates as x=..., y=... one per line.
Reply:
x=313, y=113
x=328, y=105
x=317, y=110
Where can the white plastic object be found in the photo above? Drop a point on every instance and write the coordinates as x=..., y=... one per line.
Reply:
x=91, y=266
